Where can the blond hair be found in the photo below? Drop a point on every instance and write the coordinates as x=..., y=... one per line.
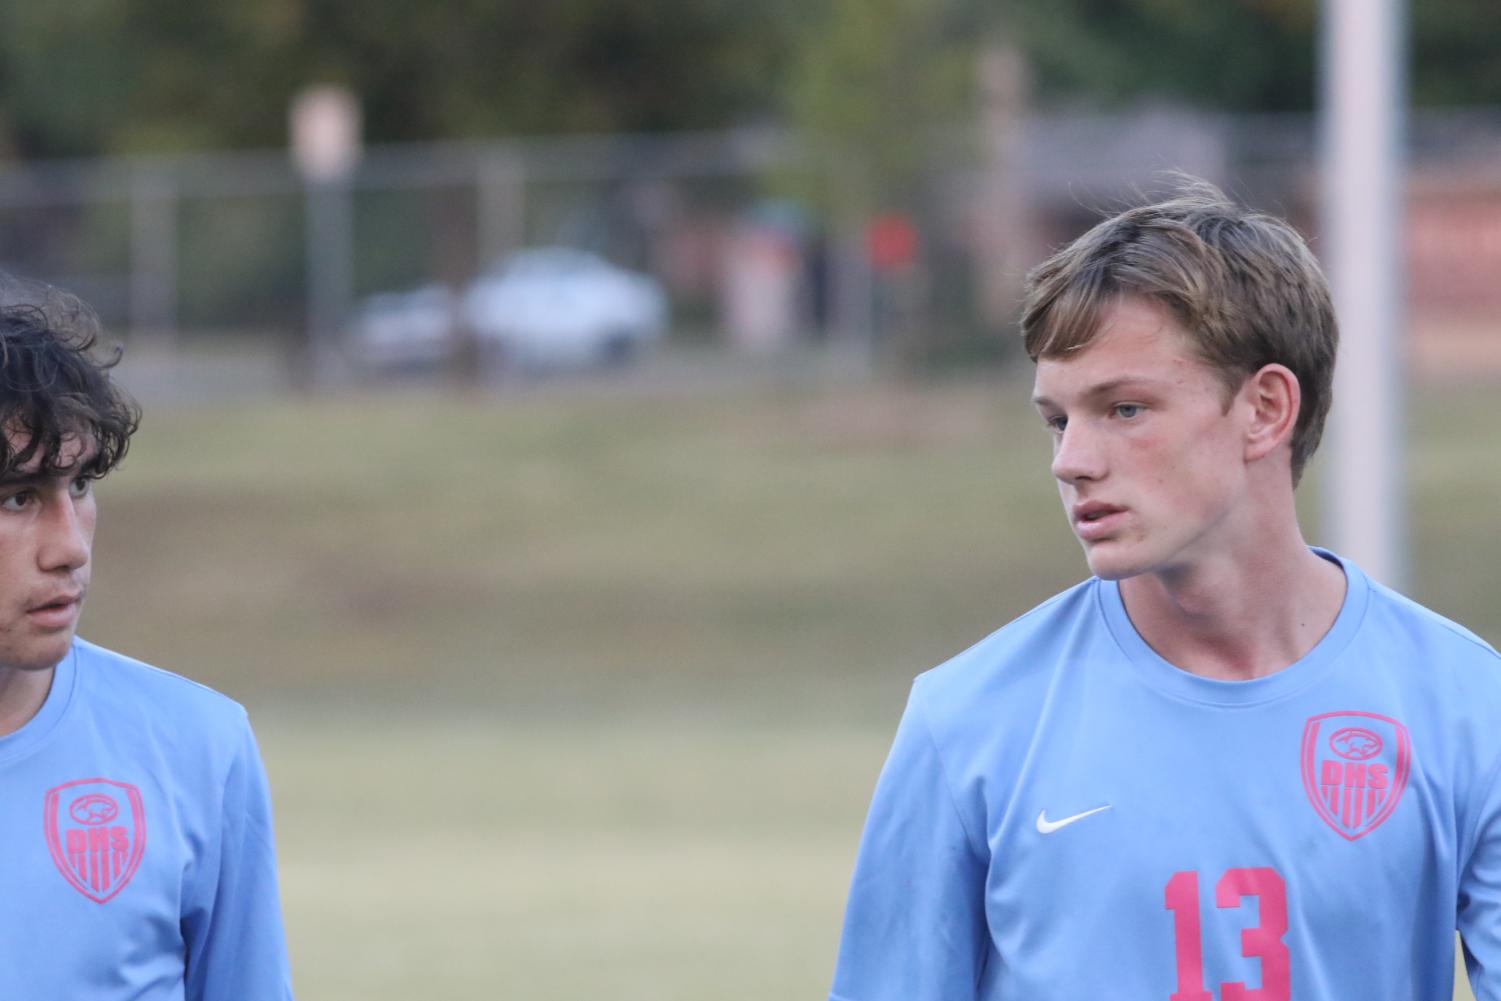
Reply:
x=1243, y=285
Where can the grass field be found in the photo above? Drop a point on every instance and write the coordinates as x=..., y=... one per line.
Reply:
x=582, y=694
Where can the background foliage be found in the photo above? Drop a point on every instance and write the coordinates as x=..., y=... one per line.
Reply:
x=96, y=76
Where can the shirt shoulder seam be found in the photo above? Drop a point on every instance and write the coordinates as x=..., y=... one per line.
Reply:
x=975, y=845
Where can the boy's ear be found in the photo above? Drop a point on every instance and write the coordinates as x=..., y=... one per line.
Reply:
x=1273, y=398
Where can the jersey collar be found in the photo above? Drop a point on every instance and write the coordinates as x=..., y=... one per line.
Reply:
x=1178, y=683
x=59, y=696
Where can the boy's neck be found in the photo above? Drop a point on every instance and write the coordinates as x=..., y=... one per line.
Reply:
x=1241, y=615
x=22, y=693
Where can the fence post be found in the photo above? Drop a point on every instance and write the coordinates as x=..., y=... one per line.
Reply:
x=852, y=302
x=326, y=126
x=153, y=254
x=501, y=189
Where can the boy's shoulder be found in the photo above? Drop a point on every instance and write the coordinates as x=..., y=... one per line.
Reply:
x=132, y=688
x=1016, y=660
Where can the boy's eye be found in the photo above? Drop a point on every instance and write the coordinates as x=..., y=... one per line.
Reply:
x=80, y=486
x=1056, y=424
x=16, y=501
x=1127, y=410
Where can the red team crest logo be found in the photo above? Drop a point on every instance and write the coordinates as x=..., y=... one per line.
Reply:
x=1355, y=767
x=96, y=831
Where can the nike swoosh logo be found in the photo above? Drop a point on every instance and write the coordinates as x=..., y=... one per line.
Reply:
x=1046, y=826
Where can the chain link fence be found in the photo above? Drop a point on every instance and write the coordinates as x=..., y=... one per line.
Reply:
x=751, y=234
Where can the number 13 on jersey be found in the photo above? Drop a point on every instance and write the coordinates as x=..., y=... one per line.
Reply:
x=1261, y=941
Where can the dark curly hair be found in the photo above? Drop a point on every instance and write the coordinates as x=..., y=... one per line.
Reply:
x=54, y=391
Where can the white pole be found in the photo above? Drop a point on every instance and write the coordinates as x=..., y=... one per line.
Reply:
x=1362, y=123
x=326, y=126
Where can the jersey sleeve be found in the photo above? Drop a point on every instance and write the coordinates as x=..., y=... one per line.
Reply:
x=1479, y=908
x=914, y=925
x=232, y=921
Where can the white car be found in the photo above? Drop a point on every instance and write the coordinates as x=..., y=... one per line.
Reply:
x=556, y=307
x=414, y=329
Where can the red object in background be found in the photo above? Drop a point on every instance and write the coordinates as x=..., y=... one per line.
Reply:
x=891, y=242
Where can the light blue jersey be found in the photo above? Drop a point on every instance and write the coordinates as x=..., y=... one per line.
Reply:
x=1066, y=815
x=136, y=855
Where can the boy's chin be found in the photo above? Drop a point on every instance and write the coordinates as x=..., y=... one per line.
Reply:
x=1108, y=565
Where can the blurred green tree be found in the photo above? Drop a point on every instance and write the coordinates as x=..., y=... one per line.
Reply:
x=1244, y=55
x=1456, y=52
x=1239, y=55
x=96, y=76
x=873, y=81
x=487, y=67
x=92, y=76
